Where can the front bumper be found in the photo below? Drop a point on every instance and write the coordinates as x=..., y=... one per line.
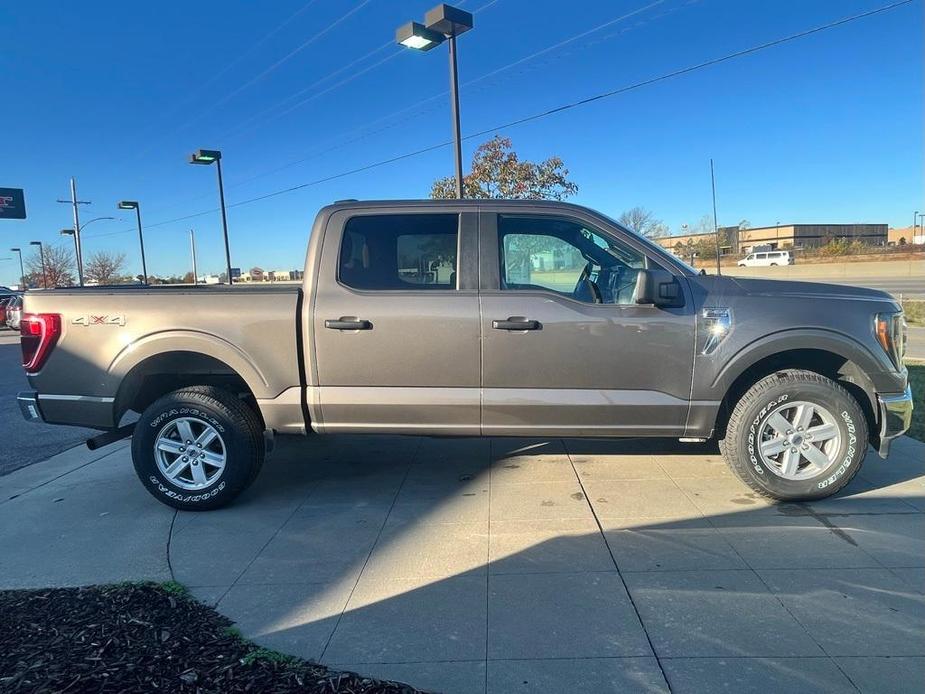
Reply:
x=895, y=418
x=29, y=406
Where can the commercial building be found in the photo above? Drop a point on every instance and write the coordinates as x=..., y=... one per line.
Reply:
x=903, y=236
x=782, y=236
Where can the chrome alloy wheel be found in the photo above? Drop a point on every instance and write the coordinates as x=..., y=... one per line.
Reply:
x=190, y=453
x=799, y=440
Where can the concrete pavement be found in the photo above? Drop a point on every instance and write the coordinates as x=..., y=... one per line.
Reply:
x=509, y=565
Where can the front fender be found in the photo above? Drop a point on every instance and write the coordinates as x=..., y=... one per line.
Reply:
x=714, y=379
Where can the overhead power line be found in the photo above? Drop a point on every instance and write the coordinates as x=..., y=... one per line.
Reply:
x=552, y=111
x=251, y=123
x=418, y=108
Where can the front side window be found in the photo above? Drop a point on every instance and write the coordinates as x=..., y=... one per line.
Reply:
x=566, y=257
x=401, y=251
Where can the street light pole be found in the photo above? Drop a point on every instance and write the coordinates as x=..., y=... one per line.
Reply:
x=22, y=271
x=192, y=248
x=915, y=218
x=221, y=197
x=42, y=256
x=214, y=156
x=454, y=103
x=443, y=23
x=133, y=205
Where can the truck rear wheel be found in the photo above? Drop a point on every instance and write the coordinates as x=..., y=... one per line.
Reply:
x=197, y=448
x=796, y=435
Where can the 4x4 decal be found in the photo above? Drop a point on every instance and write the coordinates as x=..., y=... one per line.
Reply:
x=89, y=319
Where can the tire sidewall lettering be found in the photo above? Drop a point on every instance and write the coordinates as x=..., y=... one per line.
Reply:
x=185, y=498
x=176, y=412
x=751, y=439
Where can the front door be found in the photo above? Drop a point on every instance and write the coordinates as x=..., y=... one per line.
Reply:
x=565, y=348
x=396, y=323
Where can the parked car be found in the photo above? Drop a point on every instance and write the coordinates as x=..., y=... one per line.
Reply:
x=474, y=318
x=4, y=300
x=14, y=312
x=767, y=259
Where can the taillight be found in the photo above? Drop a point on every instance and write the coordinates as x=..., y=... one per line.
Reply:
x=38, y=334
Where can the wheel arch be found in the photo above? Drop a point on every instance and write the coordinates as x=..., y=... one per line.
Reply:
x=830, y=354
x=841, y=368
x=164, y=372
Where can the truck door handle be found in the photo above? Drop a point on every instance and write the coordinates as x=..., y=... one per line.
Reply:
x=516, y=323
x=345, y=323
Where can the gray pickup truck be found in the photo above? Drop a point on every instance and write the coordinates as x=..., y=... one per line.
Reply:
x=474, y=318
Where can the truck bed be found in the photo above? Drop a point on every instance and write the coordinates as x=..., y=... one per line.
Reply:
x=107, y=333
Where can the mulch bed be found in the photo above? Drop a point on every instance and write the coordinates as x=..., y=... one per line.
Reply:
x=142, y=638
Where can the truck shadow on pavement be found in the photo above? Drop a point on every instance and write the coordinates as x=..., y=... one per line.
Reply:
x=549, y=565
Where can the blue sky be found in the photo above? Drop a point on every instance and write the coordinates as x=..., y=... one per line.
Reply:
x=824, y=129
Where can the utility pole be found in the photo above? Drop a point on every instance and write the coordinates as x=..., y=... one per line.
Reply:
x=192, y=247
x=74, y=202
x=715, y=227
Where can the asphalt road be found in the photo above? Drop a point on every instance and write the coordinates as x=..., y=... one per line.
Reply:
x=22, y=443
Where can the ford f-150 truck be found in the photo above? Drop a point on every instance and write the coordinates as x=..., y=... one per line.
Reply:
x=474, y=318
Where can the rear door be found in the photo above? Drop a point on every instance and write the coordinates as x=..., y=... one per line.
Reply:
x=566, y=350
x=396, y=322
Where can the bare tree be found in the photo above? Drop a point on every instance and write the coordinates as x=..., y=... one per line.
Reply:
x=643, y=222
x=704, y=225
x=104, y=267
x=59, y=267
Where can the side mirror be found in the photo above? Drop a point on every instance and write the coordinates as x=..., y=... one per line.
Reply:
x=660, y=288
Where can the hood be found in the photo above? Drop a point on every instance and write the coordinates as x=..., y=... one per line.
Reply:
x=755, y=286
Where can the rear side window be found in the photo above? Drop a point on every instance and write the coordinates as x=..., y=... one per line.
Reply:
x=400, y=251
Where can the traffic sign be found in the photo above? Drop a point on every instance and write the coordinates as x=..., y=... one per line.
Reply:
x=12, y=203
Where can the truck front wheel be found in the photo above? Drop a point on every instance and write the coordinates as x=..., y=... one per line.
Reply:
x=197, y=448
x=796, y=435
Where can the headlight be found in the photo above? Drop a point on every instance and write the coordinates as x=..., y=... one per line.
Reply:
x=890, y=331
x=717, y=324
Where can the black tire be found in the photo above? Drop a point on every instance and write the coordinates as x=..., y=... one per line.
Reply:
x=240, y=437
x=740, y=447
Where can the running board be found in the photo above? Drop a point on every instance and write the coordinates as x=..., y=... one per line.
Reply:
x=109, y=437
x=685, y=439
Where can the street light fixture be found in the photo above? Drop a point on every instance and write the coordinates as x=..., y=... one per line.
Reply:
x=133, y=205
x=22, y=271
x=77, y=248
x=417, y=36
x=443, y=23
x=206, y=157
x=42, y=256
